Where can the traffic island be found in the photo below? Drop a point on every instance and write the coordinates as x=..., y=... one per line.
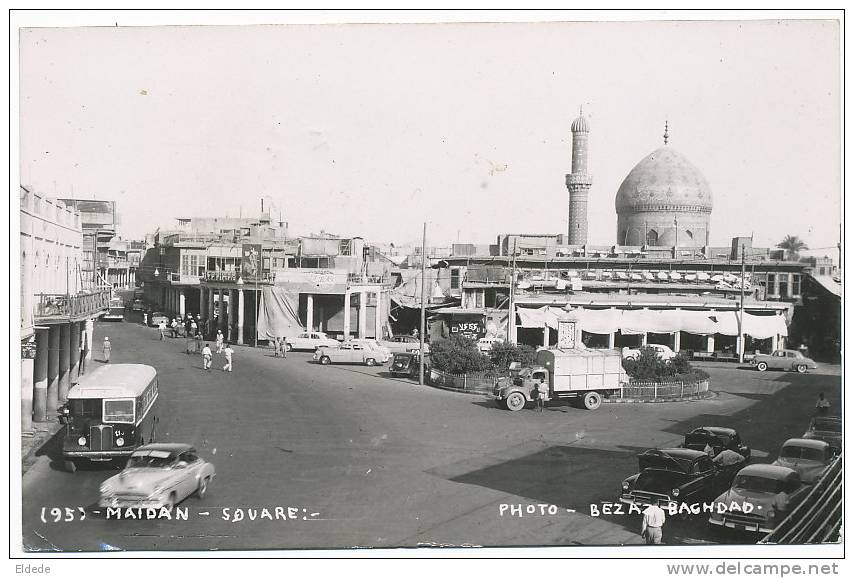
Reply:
x=659, y=392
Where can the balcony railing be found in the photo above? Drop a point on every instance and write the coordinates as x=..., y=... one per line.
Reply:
x=70, y=306
x=232, y=276
x=359, y=279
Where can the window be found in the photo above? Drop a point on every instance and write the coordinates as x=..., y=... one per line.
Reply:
x=455, y=278
x=784, y=286
x=772, y=284
x=345, y=247
x=652, y=237
x=796, y=284
x=118, y=410
x=478, y=299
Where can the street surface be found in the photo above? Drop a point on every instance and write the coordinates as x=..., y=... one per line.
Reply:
x=372, y=461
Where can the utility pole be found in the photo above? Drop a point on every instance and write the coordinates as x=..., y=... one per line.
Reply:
x=741, y=313
x=423, y=313
x=511, y=316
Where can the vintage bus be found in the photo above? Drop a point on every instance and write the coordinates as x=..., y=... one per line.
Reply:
x=116, y=311
x=109, y=414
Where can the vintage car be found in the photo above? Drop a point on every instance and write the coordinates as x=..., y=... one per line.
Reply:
x=348, y=352
x=663, y=352
x=310, y=341
x=760, y=497
x=674, y=475
x=807, y=457
x=407, y=364
x=381, y=350
x=828, y=429
x=403, y=344
x=784, y=359
x=138, y=305
x=484, y=344
x=158, y=475
x=717, y=438
x=155, y=318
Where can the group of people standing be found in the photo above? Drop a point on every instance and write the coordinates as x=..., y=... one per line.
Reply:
x=221, y=348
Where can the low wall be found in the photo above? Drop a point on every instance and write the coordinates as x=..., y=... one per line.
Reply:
x=652, y=391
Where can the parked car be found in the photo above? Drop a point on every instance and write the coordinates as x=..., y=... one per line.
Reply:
x=156, y=317
x=138, y=305
x=663, y=352
x=403, y=344
x=484, y=344
x=828, y=429
x=718, y=438
x=674, y=475
x=382, y=351
x=347, y=352
x=407, y=365
x=310, y=341
x=770, y=491
x=158, y=476
x=784, y=359
x=807, y=457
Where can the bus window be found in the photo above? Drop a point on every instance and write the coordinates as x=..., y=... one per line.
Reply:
x=118, y=410
x=90, y=408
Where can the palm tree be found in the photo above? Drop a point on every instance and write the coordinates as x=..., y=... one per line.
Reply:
x=793, y=245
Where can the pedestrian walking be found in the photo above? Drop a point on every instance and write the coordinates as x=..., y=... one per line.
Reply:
x=108, y=347
x=542, y=392
x=162, y=327
x=174, y=327
x=284, y=347
x=228, y=353
x=145, y=318
x=220, y=339
x=653, y=520
x=194, y=328
x=822, y=405
x=207, y=356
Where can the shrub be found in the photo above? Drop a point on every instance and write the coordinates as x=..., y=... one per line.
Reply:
x=648, y=367
x=458, y=355
x=503, y=354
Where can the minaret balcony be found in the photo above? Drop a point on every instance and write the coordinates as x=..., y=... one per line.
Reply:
x=579, y=180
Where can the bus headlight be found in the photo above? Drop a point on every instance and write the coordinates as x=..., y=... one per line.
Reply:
x=120, y=442
x=81, y=441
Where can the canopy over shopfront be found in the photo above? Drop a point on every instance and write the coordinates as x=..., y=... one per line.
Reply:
x=640, y=321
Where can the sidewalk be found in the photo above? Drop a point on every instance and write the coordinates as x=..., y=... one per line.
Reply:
x=34, y=441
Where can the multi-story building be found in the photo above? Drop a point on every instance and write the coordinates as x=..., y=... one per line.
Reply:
x=58, y=305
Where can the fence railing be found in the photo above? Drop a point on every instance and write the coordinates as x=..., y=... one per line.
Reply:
x=818, y=518
x=233, y=276
x=468, y=382
x=657, y=390
x=58, y=305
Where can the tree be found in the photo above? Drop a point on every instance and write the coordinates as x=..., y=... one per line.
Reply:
x=503, y=354
x=458, y=355
x=793, y=245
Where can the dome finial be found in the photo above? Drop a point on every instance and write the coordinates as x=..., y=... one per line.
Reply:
x=666, y=133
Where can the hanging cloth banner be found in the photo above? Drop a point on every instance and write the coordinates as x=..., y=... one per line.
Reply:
x=278, y=316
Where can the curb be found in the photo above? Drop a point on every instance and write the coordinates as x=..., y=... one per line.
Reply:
x=706, y=396
x=458, y=390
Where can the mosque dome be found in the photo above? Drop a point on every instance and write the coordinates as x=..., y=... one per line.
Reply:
x=580, y=124
x=664, y=181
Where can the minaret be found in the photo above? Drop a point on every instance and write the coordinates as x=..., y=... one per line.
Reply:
x=578, y=182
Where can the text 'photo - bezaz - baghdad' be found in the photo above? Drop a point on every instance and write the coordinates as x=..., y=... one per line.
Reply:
x=395, y=286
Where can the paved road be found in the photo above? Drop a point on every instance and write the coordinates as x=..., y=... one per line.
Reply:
x=366, y=460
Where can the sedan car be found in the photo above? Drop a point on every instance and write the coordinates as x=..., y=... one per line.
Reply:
x=770, y=491
x=828, y=429
x=156, y=317
x=158, y=476
x=717, y=438
x=786, y=359
x=383, y=352
x=674, y=475
x=310, y=341
x=348, y=352
x=663, y=352
x=137, y=305
x=403, y=344
x=407, y=365
x=807, y=457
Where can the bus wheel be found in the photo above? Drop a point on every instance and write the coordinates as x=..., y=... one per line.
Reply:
x=592, y=400
x=203, y=488
x=70, y=466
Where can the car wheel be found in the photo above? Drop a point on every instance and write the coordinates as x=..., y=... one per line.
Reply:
x=370, y=362
x=801, y=368
x=288, y=347
x=203, y=488
x=761, y=366
x=592, y=400
x=325, y=360
x=515, y=401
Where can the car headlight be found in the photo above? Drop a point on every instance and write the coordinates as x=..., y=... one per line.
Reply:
x=675, y=492
x=81, y=441
x=625, y=486
x=120, y=442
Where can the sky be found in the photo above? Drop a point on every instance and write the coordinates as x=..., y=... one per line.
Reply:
x=371, y=130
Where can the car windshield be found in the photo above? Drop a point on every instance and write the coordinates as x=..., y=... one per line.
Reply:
x=802, y=453
x=525, y=372
x=758, y=484
x=152, y=459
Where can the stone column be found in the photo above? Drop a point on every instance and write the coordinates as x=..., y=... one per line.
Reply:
x=363, y=313
x=378, y=316
x=309, y=312
x=545, y=335
x=211, y=304
x=27, y=366
x=53, y=368
x=229, y=334
x=612, y=340
x=64, y=361
x=221, y=321
x=90, y=339
x=75, y=351
x=710, y=344
x=240, y=314
x=40, y=375
x=182, y=302
x=677, y=341
x=644, y=339
x=203, y=301
x=346, y=314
